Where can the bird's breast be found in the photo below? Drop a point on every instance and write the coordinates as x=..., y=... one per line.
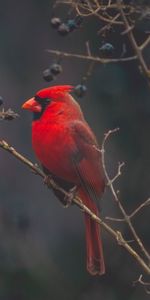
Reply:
x=53, y=146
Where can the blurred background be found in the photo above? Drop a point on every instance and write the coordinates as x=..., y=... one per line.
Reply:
x=42, y=248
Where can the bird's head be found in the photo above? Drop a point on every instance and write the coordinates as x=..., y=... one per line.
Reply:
x=45, y=98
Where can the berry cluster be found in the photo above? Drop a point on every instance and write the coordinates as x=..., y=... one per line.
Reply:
x=63, y=28
x=50, y=73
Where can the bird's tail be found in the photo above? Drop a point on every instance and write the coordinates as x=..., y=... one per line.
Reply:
x=95, y=259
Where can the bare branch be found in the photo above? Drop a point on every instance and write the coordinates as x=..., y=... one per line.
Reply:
x=137, y=210
x=146, y=203
x=136, y=48
x=146, y=285
x=109, y=24
x=115, y=234
x=114, y=219
x=111, y=14
x=92, y=58
x=110, y=184
x=120, y=165
x=88, y=48
x=145, y=43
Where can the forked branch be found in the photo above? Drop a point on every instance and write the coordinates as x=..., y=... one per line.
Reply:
x=110, y=182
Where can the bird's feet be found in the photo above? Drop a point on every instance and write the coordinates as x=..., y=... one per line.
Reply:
x=65, y=197
x=68, y=199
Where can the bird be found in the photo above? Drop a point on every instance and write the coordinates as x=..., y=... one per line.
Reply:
x=67, y=149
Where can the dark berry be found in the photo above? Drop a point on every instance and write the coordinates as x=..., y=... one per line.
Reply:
x=47, y=75
x=80, y=90
x=55, y=22
x=63, y=29
x=107, y=48
x=72, y=25
x=1, y=100
x=56, y=69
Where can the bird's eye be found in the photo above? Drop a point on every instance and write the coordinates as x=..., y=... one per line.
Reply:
x=47, y=100
x=42, y=101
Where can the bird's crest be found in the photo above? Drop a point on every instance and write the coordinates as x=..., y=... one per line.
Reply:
x=55, y=91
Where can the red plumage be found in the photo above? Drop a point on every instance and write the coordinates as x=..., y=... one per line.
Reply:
x=65, y=145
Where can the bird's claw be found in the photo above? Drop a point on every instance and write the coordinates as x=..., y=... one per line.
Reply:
x=70, y=196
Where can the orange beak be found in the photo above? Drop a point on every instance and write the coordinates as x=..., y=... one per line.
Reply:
x=32, y=105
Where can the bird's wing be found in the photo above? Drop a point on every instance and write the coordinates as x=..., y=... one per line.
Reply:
x=82, y=131
x=87, y=160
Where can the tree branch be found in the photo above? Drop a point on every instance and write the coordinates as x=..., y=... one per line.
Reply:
x=110, y=184
x=117, y=235
x=137, y=49
x=91, y=58
x=145, y=284
x=112, y=13
x=135, y=212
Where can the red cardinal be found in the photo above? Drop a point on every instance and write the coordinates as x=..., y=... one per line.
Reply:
x=65, y=145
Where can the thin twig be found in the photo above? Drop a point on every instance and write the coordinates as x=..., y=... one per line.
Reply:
x=146, y=285
x=115, y=234
x=126, y=217
x=135, y=212
x=108, y=25
x=92, y=58
x=137, y=49
x=146, y=203
x=120, y=165
x=88, y=48
x=145, y=43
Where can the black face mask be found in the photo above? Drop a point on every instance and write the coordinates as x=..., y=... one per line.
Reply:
x=43, y=103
